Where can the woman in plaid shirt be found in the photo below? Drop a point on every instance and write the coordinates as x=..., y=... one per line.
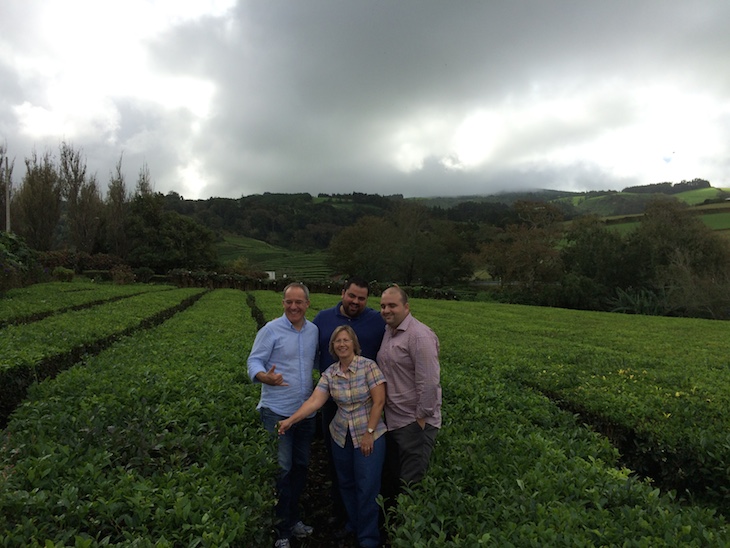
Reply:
x=358, y=445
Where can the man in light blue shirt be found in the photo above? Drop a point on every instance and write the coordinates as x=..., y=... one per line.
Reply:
x=282, y=359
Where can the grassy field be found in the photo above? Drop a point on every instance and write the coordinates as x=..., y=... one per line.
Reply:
x=696, y=197
x=266, y=257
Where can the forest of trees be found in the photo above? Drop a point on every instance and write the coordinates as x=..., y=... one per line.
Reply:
x=536, y=252
x=59, y=206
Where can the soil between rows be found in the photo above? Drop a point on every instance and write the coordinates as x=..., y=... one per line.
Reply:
x=316, y=503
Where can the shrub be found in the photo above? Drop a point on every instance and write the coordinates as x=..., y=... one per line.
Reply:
x=102, y=261
x=18, y=263
x=143, y=274
x=62, y=274
x=122, y=274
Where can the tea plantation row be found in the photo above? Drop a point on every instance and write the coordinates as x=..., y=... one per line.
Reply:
x=37, y=301
x=155, y=441
x=36, y=350
x=513, y=469
x=659, y=386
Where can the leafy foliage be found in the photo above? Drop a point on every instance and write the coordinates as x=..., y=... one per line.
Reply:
x=156, y=441
x=153, y=442
x=510, y=468
x=163, y=240
x=37, y=204
x=410, y=247
x=43, y=348
x=18, y=263
x=34, y=302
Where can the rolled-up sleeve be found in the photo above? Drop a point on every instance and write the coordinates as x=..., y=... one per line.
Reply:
x=260, y=354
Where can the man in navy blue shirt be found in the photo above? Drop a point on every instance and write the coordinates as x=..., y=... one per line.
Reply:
x=369, y=327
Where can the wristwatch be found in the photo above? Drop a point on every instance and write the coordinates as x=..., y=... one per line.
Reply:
x=371, y=431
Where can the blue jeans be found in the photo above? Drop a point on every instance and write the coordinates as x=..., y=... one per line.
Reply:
x=359, y=478
x=293, y=459
x=328, y=412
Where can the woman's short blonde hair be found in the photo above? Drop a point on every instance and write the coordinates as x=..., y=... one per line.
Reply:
x=350, y=331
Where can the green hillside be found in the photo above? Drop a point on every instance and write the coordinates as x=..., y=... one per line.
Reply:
x=266, y=257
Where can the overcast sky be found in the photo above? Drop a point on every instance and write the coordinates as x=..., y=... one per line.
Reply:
x=413, y=97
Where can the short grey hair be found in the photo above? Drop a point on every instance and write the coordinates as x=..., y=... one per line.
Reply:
x=300, y=285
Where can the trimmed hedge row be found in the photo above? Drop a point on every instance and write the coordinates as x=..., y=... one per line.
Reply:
x=511, y=468
x=154, y=442
x=139, y=447
x=34, y=351
x=660, y=387
x=40, y=300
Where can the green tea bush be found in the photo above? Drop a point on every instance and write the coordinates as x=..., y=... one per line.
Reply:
x=34, y=351
x=154, y=442
x=510, y=467
x=37, y=301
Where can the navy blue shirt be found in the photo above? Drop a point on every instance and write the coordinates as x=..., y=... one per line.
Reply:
x=369, y=327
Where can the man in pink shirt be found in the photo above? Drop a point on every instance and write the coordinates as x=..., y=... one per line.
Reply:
x=409, y=359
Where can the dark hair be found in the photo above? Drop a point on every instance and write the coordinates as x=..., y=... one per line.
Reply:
x=359, y=282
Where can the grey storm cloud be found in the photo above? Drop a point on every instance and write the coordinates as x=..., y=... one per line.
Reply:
x=410, y=97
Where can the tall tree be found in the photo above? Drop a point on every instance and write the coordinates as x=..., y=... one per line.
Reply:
x=594, y=266
x=408, y=247
x=364, y=249
x=596, y=252
x=144, y=182
x=675, y=254
x=83, y=200
x=410, y=236
x=527, y=252
x=117, y=205
x=86, y=226
x=38, y=202
x=162, y=240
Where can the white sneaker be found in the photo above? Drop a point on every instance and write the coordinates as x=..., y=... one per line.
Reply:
x=282, y=543
x=301, y=531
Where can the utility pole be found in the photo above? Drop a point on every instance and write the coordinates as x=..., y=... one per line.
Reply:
x=7, y=196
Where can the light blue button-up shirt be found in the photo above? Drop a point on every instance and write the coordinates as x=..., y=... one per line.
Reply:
x=293, y=352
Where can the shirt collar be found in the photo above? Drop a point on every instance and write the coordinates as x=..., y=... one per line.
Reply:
x=403, y=326
x=352, y=368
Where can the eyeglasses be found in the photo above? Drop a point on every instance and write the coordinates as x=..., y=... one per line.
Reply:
x=298, y=303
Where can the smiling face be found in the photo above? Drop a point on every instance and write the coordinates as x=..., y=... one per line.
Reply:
x=392, y=308
x=295, y=305
x=343, y=347
x=344, y=344
x=354, y=300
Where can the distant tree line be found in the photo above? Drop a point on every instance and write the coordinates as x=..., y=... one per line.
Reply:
x=535, y=252
x=59, y=207
x=669, y=188
x=671, y=264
